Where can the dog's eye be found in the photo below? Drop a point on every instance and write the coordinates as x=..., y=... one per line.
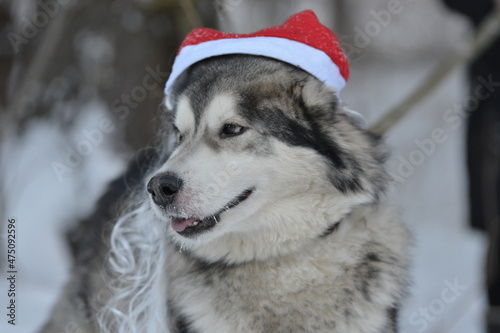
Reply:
x=229, y=130
x=178, y=134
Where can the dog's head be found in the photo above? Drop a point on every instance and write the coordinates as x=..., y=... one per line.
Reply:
x=263, y=150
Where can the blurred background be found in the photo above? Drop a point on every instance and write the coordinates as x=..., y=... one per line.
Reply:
x=79, y=95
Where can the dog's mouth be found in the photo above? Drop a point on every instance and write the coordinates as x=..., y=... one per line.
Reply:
x=190, y=227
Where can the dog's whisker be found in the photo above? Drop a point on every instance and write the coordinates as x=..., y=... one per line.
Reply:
x=140, y=202
x=223, y=197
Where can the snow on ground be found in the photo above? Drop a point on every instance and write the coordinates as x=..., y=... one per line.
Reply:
x=45, y=207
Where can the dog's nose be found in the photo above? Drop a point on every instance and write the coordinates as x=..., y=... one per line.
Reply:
x=163, y=188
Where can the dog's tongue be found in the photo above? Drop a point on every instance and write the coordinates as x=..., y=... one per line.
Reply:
x=181, y=224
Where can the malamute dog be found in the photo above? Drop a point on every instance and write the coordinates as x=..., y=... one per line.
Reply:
x=266, y=217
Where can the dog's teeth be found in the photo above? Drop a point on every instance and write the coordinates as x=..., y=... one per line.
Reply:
x=193, y=224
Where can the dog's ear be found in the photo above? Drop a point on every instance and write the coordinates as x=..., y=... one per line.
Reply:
x=316, y=94
x=356, y=156
x=179, y=86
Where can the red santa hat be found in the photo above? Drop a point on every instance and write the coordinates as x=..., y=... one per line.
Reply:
x=301, y=41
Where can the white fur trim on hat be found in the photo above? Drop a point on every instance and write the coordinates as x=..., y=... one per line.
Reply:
x=308, y=58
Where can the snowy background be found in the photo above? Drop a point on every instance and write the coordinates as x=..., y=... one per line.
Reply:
x=57, y=100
